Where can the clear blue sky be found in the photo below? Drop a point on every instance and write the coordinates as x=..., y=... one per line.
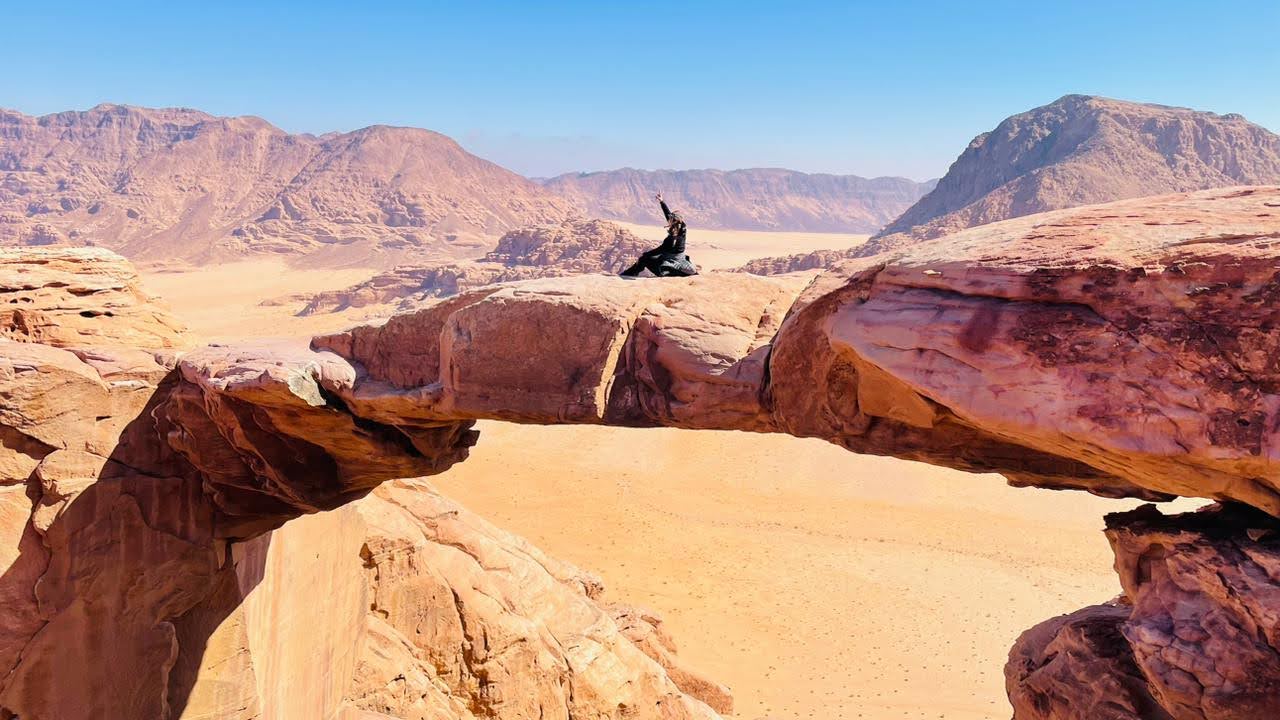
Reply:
x=874, y=88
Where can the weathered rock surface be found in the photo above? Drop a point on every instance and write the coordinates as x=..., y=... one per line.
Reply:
x=1079, y=667
x=166, y=184
x=82, y=299
x=1127, y=349
x=574, y=247
x=1122, y=348
x=143, y=553
x=1195, y=635
x=494, y=626
x=754, y=199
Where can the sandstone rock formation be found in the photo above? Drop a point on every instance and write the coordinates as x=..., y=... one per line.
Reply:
x=1080, y=150
x=1193, y=636
x=1124, y=348
x=800, y=262
x=1127, y=349
x=1121, y=348
x=755, y=199
x=180, y=184
x=1077, y=150
x=143, y=552
x=574, y=247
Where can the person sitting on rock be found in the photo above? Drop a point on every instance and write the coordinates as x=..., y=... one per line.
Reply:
x=668, y=259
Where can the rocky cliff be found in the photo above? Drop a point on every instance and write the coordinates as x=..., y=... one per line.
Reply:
x=171, y=184
x=1126, y=349
x=755, y=199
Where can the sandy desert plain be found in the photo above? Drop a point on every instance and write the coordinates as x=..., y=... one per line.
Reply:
x=814, y=582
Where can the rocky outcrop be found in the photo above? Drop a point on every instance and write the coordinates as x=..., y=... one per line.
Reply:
x=1078, y=150
x=85, y=299
x=466, y=617
x=1194, y=635
x=574, y=247
x=754, y=199
x=166, y=184
x=1121, y=348
x=1126, y=349
x=144, y=548
x=800, y=262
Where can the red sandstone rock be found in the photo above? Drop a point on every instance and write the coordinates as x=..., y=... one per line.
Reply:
x=1122, y=348
x=495, y=626
x=1125, y=348
x=1195, y=636
x=121, y=480
x=83, y=298
x=1079, y=667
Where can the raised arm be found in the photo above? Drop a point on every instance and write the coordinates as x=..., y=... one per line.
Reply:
x=666, y=211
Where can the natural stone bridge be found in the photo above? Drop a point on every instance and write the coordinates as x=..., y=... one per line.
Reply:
x=1128, y=349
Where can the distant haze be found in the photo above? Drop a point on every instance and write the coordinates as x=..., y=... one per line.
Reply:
x=752, y=199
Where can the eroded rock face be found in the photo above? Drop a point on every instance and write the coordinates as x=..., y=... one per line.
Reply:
x=1125, y=349
x=82, y=299
x=143, y=552
x=490, y=624
x=1137, y=337
x=1079, y=667
x=1194, y=636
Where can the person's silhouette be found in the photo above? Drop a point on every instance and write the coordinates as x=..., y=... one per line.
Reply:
x=669, y=258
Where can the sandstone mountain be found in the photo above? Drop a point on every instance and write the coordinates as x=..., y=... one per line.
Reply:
x=166, y=184
x=574, y=247
x=1081, y=150
x=755, y=199
x=1078, y=150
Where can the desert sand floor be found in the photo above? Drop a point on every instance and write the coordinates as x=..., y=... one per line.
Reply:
x=814, y=582
x=223, y=302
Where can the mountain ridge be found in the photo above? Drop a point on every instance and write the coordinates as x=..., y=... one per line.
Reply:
x=743, y=199
x=170, y=184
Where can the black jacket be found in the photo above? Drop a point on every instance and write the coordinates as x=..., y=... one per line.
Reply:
x=674, y=241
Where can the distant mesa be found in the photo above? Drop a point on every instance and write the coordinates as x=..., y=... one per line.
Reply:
x=754, y=199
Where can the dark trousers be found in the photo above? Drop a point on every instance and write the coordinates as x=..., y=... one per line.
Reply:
x=649, y=261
